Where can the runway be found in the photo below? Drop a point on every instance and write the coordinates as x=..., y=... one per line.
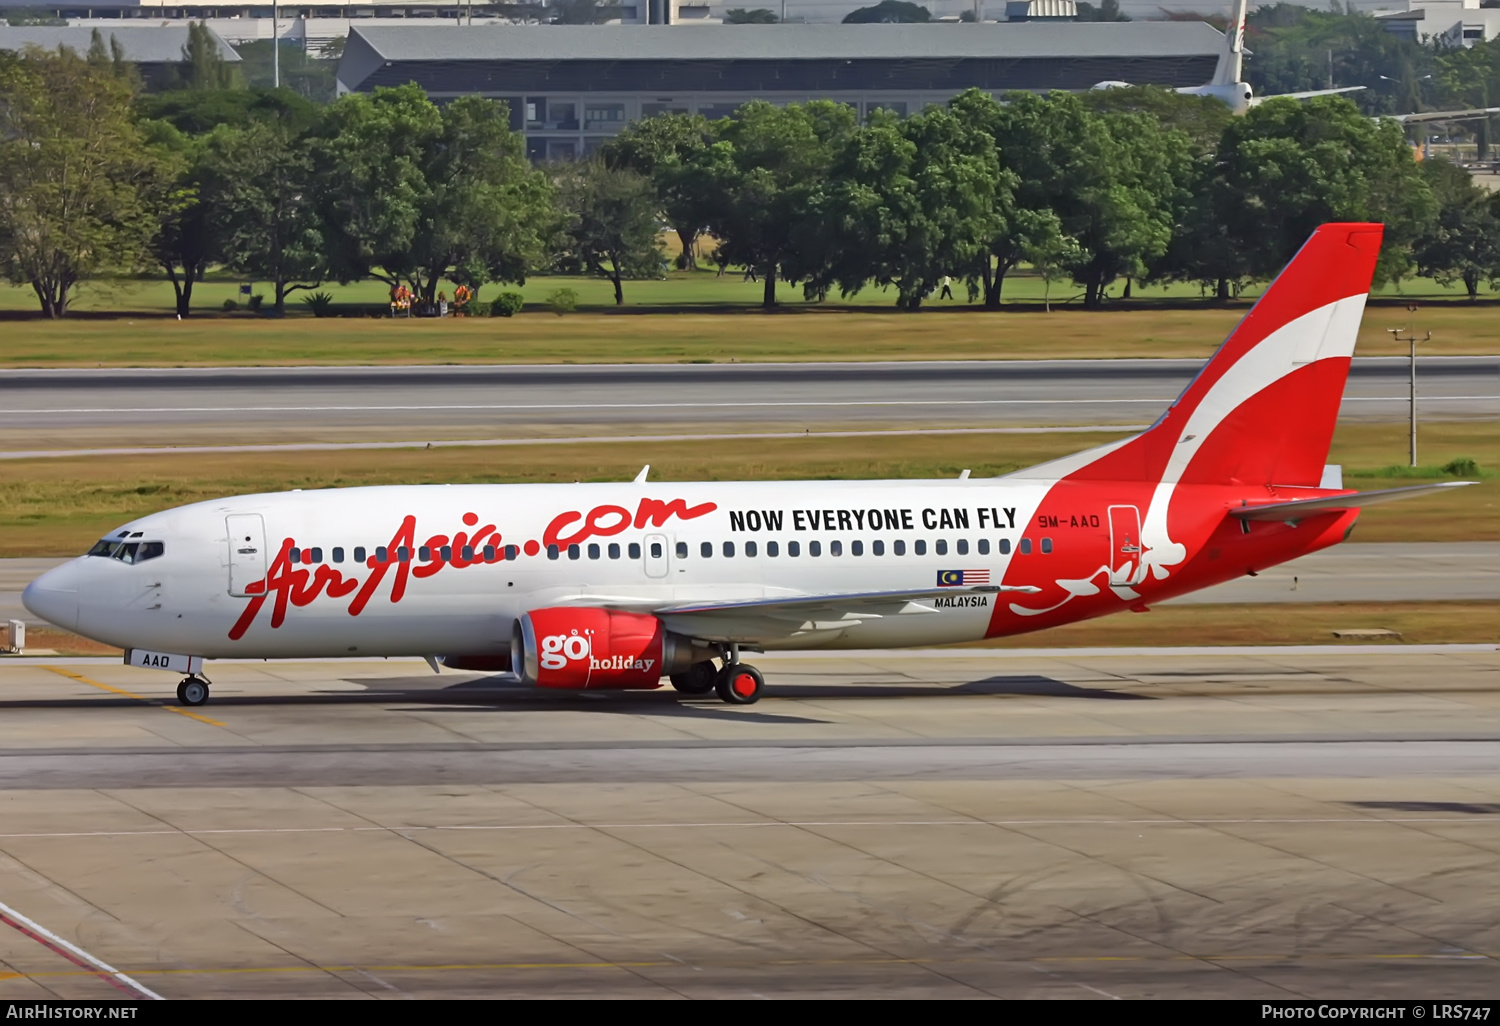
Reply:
x=1269, y=824
x=1351, y=572
x=51, y=409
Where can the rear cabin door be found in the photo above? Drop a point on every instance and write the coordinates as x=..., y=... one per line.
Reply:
x=1124, y=545
x=247, y=551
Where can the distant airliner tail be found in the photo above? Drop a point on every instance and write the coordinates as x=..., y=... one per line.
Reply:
x=1232, y=57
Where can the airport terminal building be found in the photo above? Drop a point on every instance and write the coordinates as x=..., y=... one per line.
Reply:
x=571, y=87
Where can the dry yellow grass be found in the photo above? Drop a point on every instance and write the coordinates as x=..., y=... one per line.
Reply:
x=58, y=507
x=831, y=333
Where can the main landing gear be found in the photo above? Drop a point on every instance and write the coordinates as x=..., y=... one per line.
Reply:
x=193, y=690
x=736, y=683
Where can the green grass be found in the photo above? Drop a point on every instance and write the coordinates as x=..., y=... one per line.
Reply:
x=57, y=507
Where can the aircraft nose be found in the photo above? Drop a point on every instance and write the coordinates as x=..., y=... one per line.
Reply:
x=54, y=595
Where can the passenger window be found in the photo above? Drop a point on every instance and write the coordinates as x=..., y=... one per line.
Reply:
x=1046, y=545
x=403, y=554
x=511, y=552
x=359, y=554
x=445, y=553
x=467, y=552
x=962, y=546
x=750, y=549
x=593, y=550
x=793, y=548
x=814, y=548
x=338, y=554
x=293, y=555
x=1025, y=546
x=656, y=549
x=706, y=549
x=382, y=554
x=856, y=548
x=424, y=553
x=729, y=550
x=772, y=549
x=919, y=546
x=553, y=552
x=940, y=546
x=877, y=547
x=835, y=548
x=574, y=552
x=1004, y=546
x=317, y=556
x=984, y=546
x=898, y=547
x=634, y=551
x=614, y=550
x=150, y=550
x=682, y=550
x=489, y=553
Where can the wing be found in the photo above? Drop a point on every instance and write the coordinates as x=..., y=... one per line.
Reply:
x=1309, y=94
x=1295, y=510
x=1445, y=115
x=760, y=620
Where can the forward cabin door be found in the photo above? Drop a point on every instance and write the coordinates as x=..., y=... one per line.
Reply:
x=1124, y=545
x=247, y=551
x=656, y=555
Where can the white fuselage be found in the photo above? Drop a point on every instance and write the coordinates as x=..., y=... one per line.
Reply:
x=185, y=599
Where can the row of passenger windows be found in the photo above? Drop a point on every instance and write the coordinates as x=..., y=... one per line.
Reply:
x=614, y=550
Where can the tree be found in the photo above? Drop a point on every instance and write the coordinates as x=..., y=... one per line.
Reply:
x=740, y=16
x=889, y=12
x=259, y=182
x=666, y=149
x=185, y=242
x=1108, y=10
x=74, y=171
x=198, y=113
x=765, y=173
x=1462, y=242
x=413, y=194
x=613, y=227
x=1287, y=166
x=912, y=202
x=203, y=68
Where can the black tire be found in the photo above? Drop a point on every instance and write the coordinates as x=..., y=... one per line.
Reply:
x=740, y=684
x=698, y=679
x=192, y=692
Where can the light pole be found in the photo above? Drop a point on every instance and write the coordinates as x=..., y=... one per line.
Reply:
x=275, y=50
x=1411, y=338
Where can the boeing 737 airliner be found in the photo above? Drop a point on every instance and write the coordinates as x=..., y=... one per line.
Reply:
x=619, y=585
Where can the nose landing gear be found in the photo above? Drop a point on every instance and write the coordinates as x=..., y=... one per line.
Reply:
x=193, y=690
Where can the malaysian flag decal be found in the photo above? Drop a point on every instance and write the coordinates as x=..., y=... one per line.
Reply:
x=959, y=578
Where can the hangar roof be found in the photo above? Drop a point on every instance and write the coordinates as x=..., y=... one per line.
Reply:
x=790, y=42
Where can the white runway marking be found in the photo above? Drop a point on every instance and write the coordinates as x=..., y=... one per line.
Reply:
x=563, y=440
x=73, y=953
x=817, y=404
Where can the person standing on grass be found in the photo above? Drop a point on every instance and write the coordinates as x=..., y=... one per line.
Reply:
x=442, y=304
x=395, y=299
x=947, y=292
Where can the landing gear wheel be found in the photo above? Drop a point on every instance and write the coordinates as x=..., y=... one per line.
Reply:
x=739, y=684
x=192, y=691
x=698, y=679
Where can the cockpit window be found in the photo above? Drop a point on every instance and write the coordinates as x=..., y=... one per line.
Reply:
x=128, y=552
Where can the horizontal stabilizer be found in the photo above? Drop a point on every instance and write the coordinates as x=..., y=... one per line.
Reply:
x=1446, y=115
x=1307, y=94
x=1298, y=508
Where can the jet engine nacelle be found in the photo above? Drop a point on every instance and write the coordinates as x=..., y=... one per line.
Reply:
x=575, y=648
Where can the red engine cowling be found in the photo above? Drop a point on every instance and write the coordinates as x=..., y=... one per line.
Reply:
x=570, y=647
